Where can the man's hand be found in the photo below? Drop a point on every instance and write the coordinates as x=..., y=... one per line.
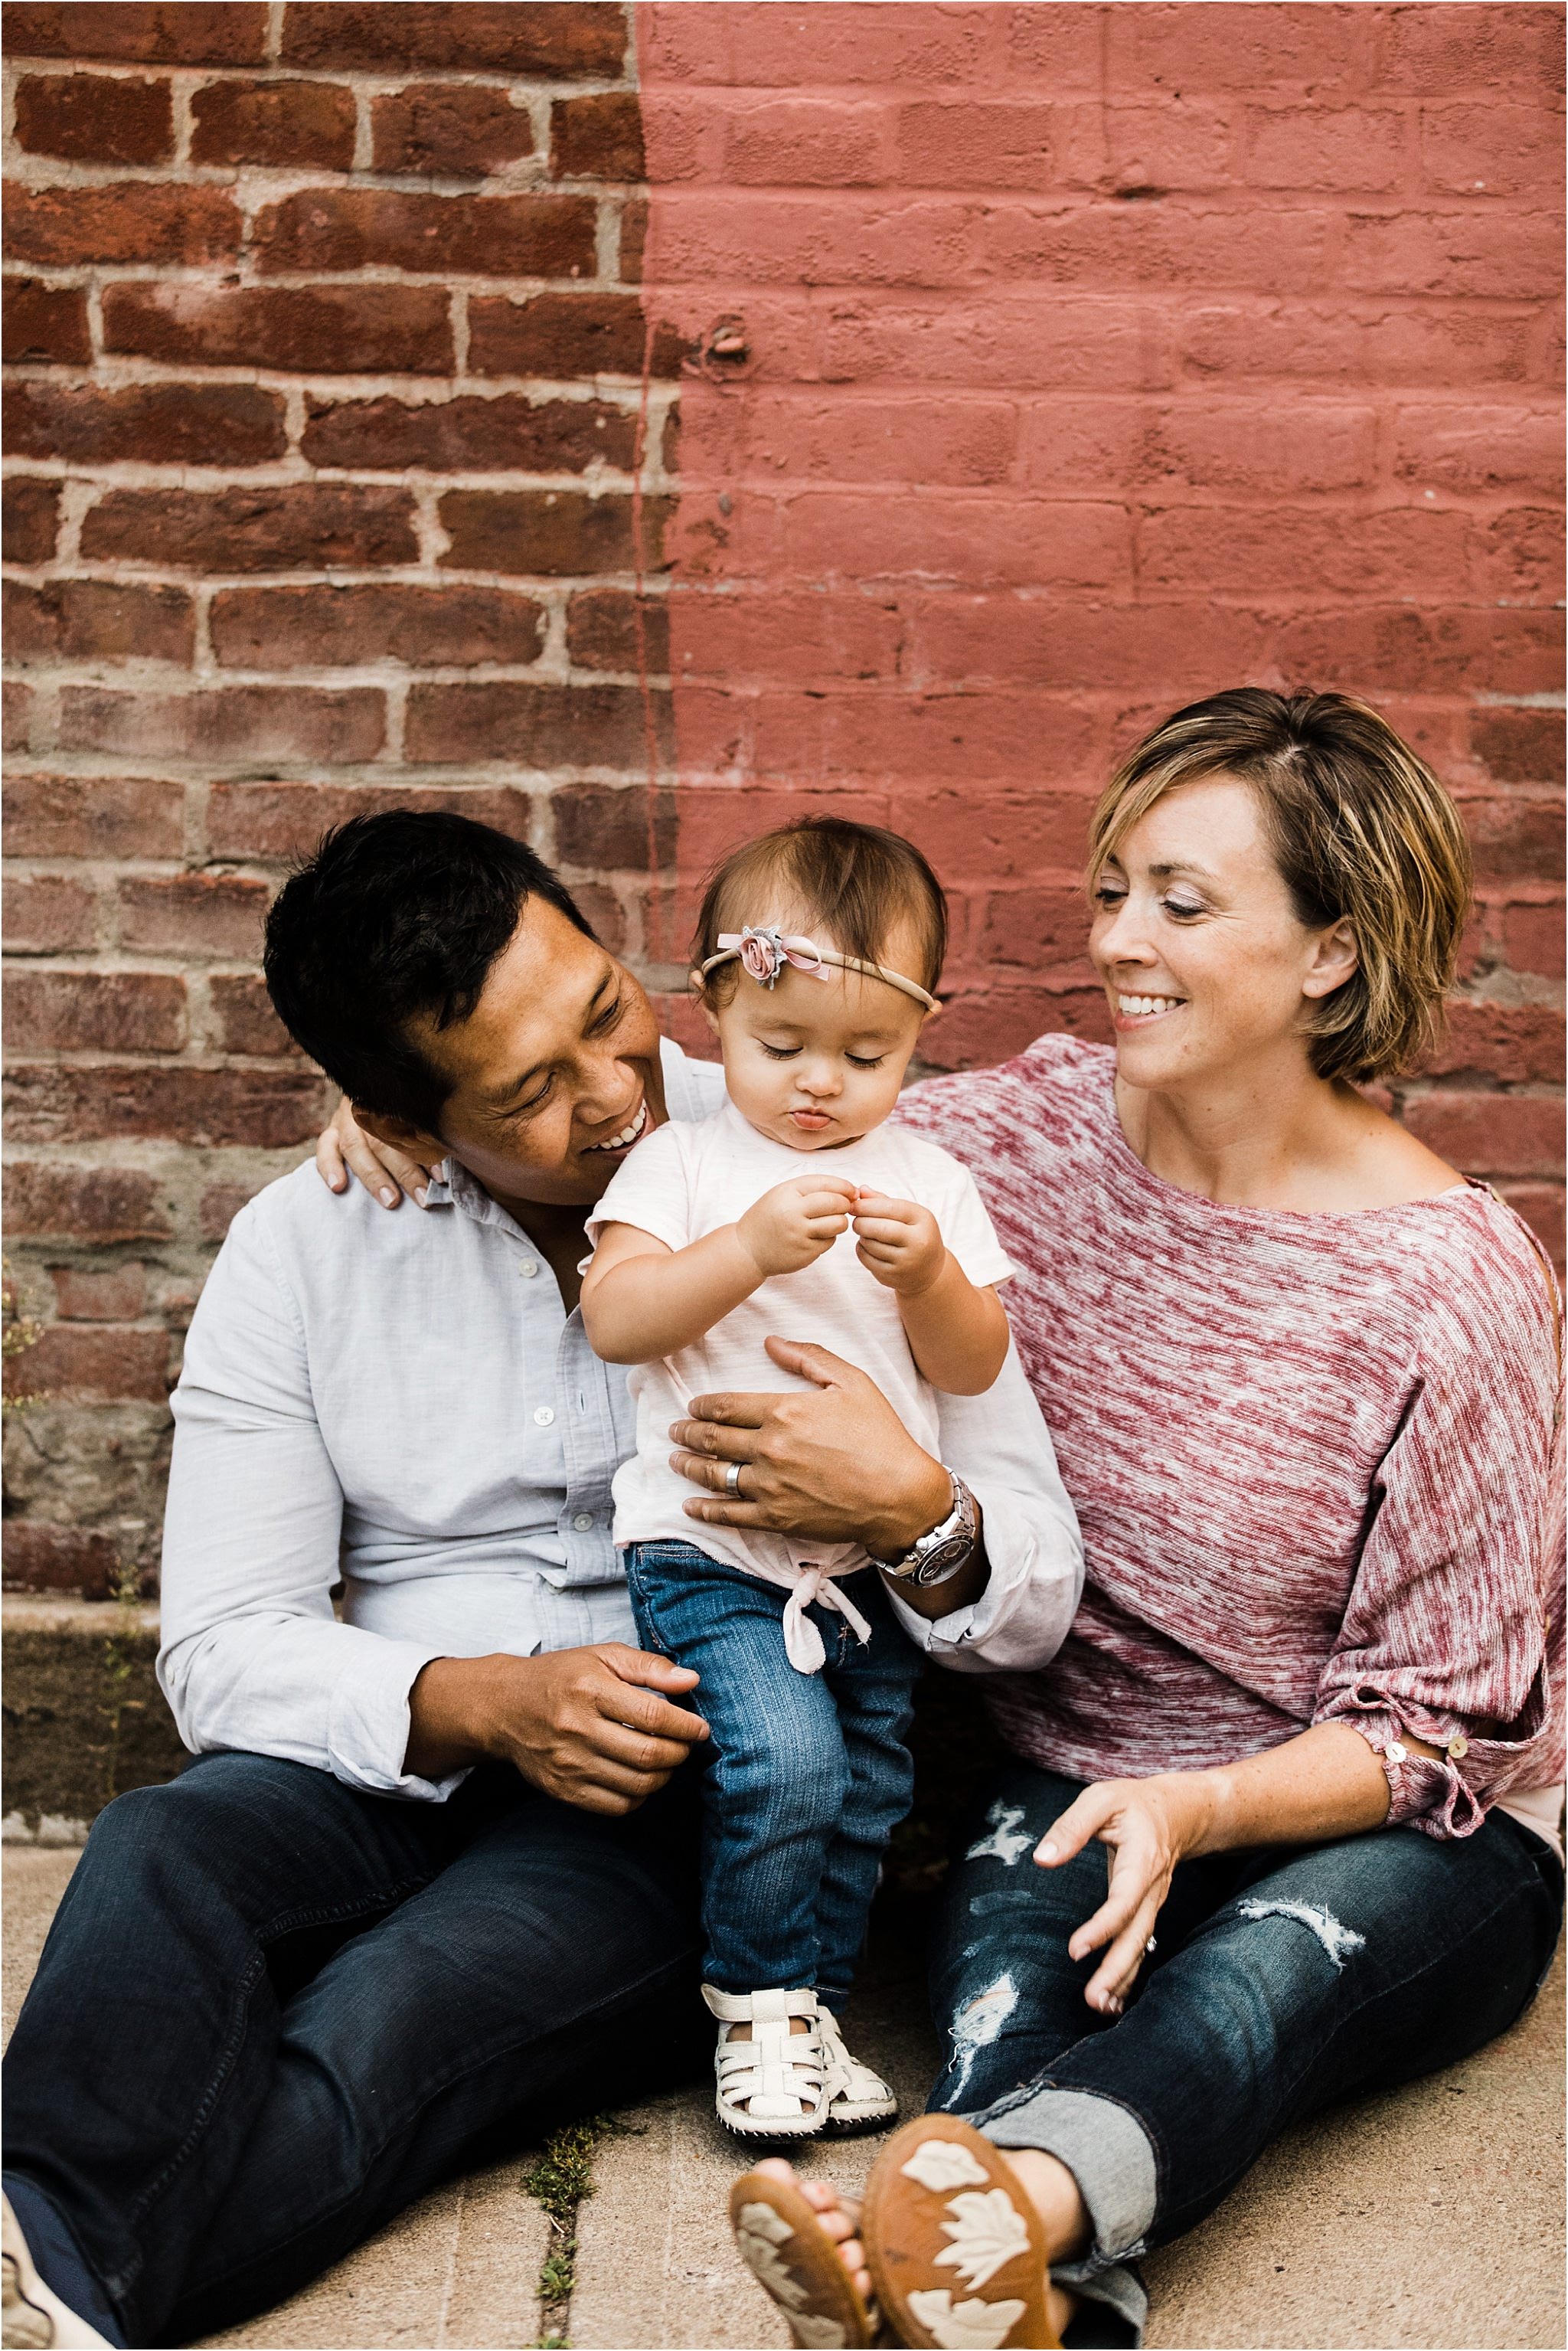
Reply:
x=588, y=1726
x=834, y=1462
x=900, y=1243
x=792, y=1225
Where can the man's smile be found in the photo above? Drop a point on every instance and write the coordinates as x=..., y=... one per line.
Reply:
x=627, y=1136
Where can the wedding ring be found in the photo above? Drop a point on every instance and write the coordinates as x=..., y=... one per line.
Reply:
x=732, y=1477
x=1149, y=1944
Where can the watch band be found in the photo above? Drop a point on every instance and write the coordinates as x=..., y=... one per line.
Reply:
x=947, y=1548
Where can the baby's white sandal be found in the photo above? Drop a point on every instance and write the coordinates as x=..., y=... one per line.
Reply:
x=858, y=2099
x=772, y=2083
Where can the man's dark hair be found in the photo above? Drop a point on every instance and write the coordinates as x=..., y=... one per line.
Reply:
x=397, y=916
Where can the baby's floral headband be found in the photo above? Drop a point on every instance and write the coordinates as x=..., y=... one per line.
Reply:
x=762, y=954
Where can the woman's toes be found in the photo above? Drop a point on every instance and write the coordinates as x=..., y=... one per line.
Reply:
x=851, y=2253
x=773, y=2167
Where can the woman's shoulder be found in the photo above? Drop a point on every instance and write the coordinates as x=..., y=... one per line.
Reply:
x=1057, y=1089
x=1489, y=1279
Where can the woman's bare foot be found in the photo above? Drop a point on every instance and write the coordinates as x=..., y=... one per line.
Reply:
x=1048, y=2183
x=840, y=2217
x=1049, y=2187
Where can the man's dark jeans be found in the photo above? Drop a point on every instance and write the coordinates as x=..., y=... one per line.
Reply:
x=272, y=2011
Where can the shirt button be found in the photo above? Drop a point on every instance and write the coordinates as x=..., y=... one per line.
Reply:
x=1458, y=1745
x=528, y=1267
x=582, y=1521
x=1396, y=1751
x=544, y=1415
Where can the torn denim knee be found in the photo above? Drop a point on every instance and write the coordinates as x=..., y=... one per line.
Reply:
x=1338, y=1940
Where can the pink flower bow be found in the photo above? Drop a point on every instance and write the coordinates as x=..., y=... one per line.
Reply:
x=764, y=953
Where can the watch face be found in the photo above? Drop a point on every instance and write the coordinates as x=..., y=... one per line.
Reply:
x=946, y=1556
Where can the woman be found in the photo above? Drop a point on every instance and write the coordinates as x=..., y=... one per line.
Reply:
x=1304, y=1385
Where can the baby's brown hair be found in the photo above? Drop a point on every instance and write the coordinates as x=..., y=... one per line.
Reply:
x=854, y=882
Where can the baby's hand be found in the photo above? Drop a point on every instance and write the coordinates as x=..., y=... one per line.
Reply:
x=900, y=1243
x=792, y=1225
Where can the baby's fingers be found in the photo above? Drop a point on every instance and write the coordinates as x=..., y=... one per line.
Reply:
x=883, y=1231
x=882, y=1203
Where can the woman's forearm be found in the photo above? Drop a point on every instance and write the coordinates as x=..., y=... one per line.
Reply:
x=654, y=1304
x=1325, y=1783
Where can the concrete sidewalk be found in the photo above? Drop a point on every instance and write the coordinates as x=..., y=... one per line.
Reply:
x=1432, y=2219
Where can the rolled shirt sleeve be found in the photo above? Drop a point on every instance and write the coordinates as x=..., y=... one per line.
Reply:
x=1450, y=1621
x=252, y=1655
x=999, y=1445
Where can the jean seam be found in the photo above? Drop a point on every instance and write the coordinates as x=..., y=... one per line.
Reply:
x=474, y=2064
x=287, y=1922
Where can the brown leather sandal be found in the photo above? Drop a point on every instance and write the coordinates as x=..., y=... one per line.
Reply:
x=784, y=2245
x=943, y=2218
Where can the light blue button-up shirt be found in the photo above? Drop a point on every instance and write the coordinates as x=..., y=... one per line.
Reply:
x=402, y=1402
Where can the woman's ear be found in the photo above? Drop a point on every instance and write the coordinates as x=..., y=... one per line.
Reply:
x=699, y=990
x=1334, y=960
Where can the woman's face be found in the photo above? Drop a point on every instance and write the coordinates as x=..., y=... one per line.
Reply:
x=1205, y=966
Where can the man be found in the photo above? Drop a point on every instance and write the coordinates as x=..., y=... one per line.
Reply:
x=431, y=1882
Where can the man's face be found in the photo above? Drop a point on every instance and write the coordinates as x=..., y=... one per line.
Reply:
x=555, y=1074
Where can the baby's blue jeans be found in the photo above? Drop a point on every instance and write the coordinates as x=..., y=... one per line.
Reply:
x=807, y=1774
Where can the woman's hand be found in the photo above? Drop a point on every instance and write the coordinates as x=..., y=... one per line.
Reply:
x=1146, y=1826
x=1326, y=1782
x=834, y=1462
x=344, y=1148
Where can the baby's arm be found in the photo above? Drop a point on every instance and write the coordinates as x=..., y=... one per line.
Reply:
x=642, y=1299
x=957, y=1334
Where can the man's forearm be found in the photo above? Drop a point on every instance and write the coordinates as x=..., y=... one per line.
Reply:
x=443, y=1710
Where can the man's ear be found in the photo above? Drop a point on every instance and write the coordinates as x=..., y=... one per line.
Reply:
x=1335, y=958
x=699, y=990
x=399, y=1135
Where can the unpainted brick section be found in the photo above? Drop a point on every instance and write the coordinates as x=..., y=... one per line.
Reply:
x=95, y=118
x=460, y=129
x=249, y=249
x=275, y=122
x=43, y=323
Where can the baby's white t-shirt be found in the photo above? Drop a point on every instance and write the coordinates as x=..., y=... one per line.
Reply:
x=690, y=1177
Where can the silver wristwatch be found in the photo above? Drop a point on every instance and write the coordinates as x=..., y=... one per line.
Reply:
x=949, y=1547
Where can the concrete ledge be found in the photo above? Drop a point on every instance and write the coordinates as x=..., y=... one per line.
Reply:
x=84, y=1718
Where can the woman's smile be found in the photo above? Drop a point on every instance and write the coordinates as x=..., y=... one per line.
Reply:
x=1138, y=1011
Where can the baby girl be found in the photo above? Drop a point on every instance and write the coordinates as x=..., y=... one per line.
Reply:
x=795, y=1211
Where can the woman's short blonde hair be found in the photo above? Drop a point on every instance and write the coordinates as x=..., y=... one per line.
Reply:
x=1363, y=833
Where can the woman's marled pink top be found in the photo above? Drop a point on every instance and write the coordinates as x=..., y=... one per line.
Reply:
x=1313, y=1457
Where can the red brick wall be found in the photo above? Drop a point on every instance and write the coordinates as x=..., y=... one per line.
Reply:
x=1095, y=357
x=327, y=448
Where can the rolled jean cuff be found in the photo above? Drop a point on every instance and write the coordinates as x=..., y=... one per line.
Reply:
x=1110, y=2155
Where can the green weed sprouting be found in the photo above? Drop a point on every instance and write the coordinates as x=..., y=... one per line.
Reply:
x=559, y=2183
x=18, y=1331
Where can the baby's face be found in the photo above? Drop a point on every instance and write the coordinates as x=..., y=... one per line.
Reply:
x=817, y=1064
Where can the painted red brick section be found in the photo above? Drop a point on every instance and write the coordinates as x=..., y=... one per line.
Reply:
x=1063, y=364
x=324, y=412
